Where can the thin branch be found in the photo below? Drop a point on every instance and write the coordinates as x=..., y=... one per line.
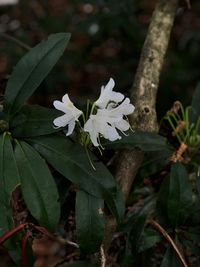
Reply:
x=159, y=228
x=103, y=257
x=144, y=92
x=144, y=89
x=14, y=40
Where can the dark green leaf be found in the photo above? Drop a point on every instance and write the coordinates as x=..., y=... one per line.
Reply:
x=34, y=121
x=9, y=179
x=194, y=233
x=154, y=161
x=72, y=162
x=6, y=220
x=137, y=231
x=1, y=115
x=195, y=107
x=171, y=259
x=89, y=221
x=32, y=69
x=146, y=207
x=175, y=197
x=198, y=184
x=143, y=140
x=8, y=168
x=136, y=223
x=38, y=186
x=194, y=218
x=149, y=239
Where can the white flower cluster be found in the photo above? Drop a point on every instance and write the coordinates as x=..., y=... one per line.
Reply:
x=112, y=110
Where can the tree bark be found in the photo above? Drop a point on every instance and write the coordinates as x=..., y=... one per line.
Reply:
x=143, y=96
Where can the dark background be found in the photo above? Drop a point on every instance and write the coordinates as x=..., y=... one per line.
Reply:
x=107, y=38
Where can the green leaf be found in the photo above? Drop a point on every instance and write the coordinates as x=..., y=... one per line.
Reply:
x=170, y=259
x=154, y=161
x=34, y=121
x=6, y=220
x=195, y=107
x=149, y=239
x=142, y=210
x=89, y=221
x=194, y=218
x=194, y=233
x=136, y=223
x=174, y=204
x=76, y=264
x=8, y=168
x=9, y=179
x=38, y=186
x=143, y=140
x=31, y=70
x=71, y=161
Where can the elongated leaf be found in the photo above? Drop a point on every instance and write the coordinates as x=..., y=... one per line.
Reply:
x=170, y=259
x=195, y=107
x=143, y=140
x=142, y=211
x=34, y=121
x=194, y=233
x=89, y=221
x=137, y=223
x=72, y=162
x=9, y=179
x=154, y=161
x=175, y=197
x=2, y=116
x=38, y=186
x=6, y=220
x=9, y=174
x=32, y=69
x=149, y=239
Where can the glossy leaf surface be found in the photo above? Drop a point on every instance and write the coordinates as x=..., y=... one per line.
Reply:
x=89, y=221
x=32, y=69
x=38, y=186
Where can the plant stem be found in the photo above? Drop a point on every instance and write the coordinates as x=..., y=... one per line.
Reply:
x=143, y=94
x=161, y=230
x=15, y=40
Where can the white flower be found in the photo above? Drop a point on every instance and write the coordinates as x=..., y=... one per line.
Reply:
x=71, y=114
x=108, y=95
x=106, y=122
x=98, y=125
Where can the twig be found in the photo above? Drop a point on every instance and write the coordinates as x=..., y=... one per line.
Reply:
x=14, y=40
x=178, y=154
x=144, y=89
x=159, y=228
x=103, y=257
x=143, y=94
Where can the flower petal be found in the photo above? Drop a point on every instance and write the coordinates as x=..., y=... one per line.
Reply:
x=110, y=133
x=122, y=125
x=70, y=127
x=125, y=108
x=60, y=106
x=65, y=99
x=71, y=114
x=62, y=121
x=108, y=95
x=90, y=128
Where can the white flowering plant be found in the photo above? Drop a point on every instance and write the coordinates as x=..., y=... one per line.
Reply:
x=36, y=143
x=106, y=116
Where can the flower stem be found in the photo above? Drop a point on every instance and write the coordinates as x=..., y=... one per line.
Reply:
x=174, y=129
x=89, y=158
